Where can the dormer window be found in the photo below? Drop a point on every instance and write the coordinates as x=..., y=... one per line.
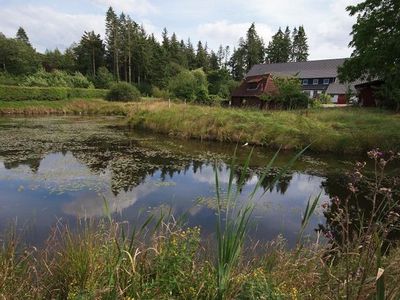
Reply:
x=305, y=82
x=326, y=81
x=315, y=81
x=252, y=85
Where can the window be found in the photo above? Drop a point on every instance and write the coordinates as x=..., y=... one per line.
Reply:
x=305, y=81
x=315, y=81
x=252, y=85
x=326, y=81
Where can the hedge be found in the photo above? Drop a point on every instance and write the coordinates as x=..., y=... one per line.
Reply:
x=19, y=93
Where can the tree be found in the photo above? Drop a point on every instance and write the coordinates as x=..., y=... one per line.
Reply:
x=17, y=57
x=22, y=36
x=279, y=49
x=299, y=45
x=238, y=63
x=254, y=46
x=202, y=57
x=376, y=36
x=113, y=40
x=90, y=53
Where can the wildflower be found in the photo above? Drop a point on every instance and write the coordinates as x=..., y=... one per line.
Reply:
x=352, y=188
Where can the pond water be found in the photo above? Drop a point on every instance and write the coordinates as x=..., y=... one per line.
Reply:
x=62, y=169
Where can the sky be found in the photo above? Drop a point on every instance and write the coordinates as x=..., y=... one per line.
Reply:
x=57, y=24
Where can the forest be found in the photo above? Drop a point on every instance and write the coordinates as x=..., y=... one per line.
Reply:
x=156, y=67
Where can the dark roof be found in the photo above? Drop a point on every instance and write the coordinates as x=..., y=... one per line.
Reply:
x=326, y=68
x=243, y=91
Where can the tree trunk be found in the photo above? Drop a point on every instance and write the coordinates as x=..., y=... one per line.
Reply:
x=130, y=66
x=93, y=63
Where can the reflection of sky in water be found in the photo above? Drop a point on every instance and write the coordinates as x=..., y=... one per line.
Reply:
x=64, y=188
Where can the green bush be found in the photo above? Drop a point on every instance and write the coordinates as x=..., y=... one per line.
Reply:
x=190, y=85
x=19, y=93
x=159, y=93
x=104, y=79
x=289, y=94
x=56, y=78
x=123, y=91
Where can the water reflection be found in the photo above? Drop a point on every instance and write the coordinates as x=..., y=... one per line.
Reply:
x=67, y=167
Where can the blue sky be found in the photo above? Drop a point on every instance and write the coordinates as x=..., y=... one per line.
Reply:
x=58, y=23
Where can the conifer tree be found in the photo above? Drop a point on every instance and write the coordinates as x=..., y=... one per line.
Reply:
x=299, y=45
x=254, y=47
x=113, y=40
x=22, y=36
x=279, y=49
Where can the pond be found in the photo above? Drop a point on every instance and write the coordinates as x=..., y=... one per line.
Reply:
x=62, y=169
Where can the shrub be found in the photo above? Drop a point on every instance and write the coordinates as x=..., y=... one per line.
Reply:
x=289, y=94
x=19, y=93
x=123, y=91
x=104, y=79
x=325, y=98
x=56, y=78
x=190, y=85
x=159, y=93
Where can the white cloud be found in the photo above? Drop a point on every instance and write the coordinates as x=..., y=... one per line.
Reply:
x=48, y=28
x=227, y=33
x=141, y=7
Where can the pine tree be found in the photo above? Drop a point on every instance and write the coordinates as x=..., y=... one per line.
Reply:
x=300, y=46
x=113, y=40
x=22, y=36
x=279, y=49
x=90, y=53
x=238, y=62
x=190, y=55
x=202, y=56
x=254, y=47
x=214, y=61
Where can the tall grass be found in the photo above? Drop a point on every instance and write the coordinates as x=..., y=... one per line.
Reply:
x=350, y=130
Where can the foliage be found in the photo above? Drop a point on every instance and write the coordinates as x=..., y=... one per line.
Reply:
x=19, y=93
x=325, y=98
x=104, y=79
x=159, y=93
x=279, y=49
x=190, y=85
x=56, y=78
x=17, y=57
x=299, y=51
x=123, y=91
x=289, y=94
x=90, y=53
x=375, y=41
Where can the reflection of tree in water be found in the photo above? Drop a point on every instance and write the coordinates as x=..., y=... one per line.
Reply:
x=32, y=162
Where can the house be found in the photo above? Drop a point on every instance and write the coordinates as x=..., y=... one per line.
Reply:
x=316, y=77
x=250, y=90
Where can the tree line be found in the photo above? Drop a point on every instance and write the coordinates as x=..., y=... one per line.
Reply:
x=128, y=53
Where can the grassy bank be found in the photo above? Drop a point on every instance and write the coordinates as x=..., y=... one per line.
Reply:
x=349, y=130
x=73, y=106
x=344, y=130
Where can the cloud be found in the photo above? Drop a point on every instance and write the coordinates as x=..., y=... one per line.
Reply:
x=228, y=33
x=48, y=28
x=140, y=7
